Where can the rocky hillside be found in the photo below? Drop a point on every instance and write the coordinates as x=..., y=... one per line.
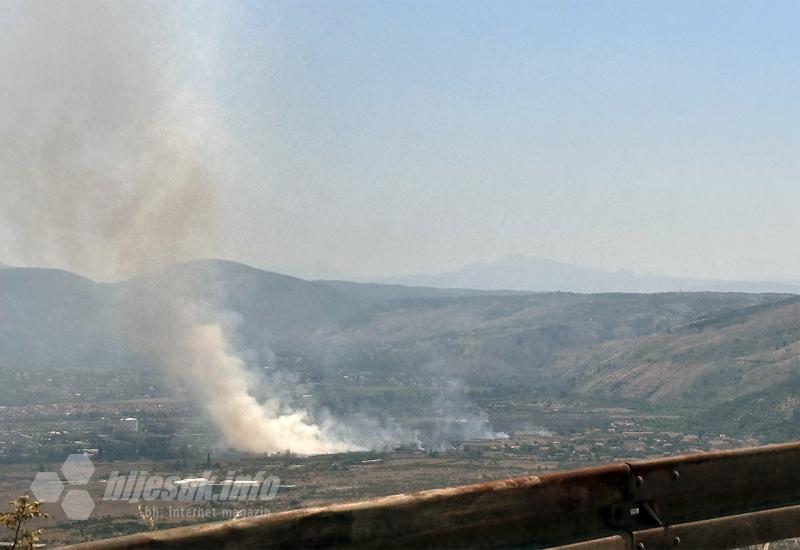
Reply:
x=720, y=358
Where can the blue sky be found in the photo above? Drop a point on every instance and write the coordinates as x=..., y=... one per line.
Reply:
x=374, y=138
x=417, y=136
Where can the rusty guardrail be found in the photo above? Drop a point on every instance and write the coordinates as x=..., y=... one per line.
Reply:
x=720, y=499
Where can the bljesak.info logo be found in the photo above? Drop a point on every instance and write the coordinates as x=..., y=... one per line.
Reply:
x=135, y=487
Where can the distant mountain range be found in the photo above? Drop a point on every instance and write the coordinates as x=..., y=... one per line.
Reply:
x=734, y=353
x=53, y=317
x=542, y=275
x=50, y=317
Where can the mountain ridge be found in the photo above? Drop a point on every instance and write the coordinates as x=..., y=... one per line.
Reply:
x=700, y=350
x=526, y=273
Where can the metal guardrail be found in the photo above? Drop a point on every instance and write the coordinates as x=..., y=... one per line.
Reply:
x=720, y=499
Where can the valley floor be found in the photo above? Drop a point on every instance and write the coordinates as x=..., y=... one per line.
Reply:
x=532, y=435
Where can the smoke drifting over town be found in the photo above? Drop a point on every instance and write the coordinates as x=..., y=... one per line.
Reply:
x=108, y=168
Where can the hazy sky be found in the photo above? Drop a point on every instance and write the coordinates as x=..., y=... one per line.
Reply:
x=396, y=137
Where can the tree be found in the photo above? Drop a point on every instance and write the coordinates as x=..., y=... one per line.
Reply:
x=24, y=508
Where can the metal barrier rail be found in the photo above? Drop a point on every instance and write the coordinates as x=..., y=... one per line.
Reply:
x=721, y=499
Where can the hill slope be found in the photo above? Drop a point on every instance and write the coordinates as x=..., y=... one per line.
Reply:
x=53, y=317
x=269, y=304
x=514, y=338
x=723, y=358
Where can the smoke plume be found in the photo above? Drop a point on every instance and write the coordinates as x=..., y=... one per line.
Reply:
x=109, y=168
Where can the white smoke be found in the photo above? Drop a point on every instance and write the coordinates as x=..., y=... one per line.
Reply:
x=458, y=418
x=225, y=390
x=109, y=167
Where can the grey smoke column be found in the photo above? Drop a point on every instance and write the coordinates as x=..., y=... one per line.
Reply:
x=107, y=167
x=106, y=156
